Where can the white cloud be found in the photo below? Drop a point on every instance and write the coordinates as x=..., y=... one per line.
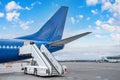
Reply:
x=114, y=8
x=118, y=29
x=76, y=19
x=106, y=5
x=112, y=25
x=37, y=2
x=12, y=6
x=111, y=21
x=80, y=16
x=4, y=28
x=27, y=8
x=116, y=36
x=94, y=11
x=98, y=22
x=25, y=25
x=88, y=18
x=12, y=16
x=98, y=28
x=72, y=19
x=1, y=14
x=91, y=2
x=108, y=27
x=32, y=5
x=98, y=36
x=111, y=6
x=115, y=14
x=89, y=26
x=11, y=11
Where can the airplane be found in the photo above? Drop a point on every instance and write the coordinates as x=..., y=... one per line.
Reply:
x=50, y=35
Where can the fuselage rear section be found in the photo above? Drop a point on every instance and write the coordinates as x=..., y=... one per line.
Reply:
x=9, y=49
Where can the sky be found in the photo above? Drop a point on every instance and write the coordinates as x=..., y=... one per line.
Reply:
x=101, y=17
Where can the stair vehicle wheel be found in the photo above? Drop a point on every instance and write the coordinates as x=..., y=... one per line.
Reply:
x=35, y=72
x=25, y=70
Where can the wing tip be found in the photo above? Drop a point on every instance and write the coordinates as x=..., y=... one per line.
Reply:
x=88, y=32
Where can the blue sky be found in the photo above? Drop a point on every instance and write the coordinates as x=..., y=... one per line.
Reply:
x=101, y=17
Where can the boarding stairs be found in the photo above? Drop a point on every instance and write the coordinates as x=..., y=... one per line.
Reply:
x=43, y=58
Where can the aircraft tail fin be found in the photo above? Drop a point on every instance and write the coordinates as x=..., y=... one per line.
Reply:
x=52, y=30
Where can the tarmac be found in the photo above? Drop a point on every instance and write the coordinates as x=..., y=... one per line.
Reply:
x=75, y=71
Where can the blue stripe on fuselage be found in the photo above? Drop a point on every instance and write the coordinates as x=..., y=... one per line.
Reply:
x=9, y=49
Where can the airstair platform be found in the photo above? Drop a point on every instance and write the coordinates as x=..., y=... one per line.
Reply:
x=43, y=63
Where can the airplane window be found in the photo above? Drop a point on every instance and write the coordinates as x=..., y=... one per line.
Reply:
x=7, y=47
x=18, y=46
x=3, y=46
x=15, y=46
x=11, y=46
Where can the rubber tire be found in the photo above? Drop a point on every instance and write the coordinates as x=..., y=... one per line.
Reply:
x=35, y=72
x=25, y=71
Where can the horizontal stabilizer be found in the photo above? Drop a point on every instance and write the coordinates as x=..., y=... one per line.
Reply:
x=67, y=40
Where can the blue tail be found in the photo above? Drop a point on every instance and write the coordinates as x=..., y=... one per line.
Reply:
x=52, y=30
